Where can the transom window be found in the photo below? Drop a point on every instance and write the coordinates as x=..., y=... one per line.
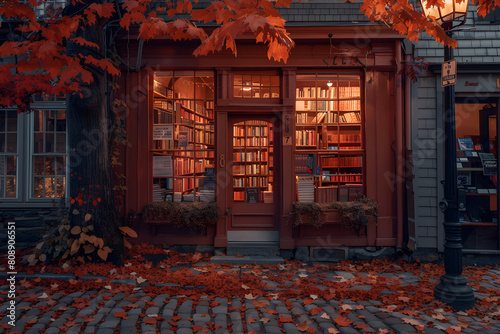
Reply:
x=256, y=86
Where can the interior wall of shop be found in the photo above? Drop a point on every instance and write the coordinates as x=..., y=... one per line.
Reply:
x=480, y=45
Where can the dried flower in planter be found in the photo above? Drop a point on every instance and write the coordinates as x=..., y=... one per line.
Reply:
x=313, y=210
x=357, y=213
x=193, y=215
x=353, y=214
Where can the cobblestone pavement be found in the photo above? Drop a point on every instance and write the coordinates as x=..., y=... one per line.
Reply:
x=57, y=304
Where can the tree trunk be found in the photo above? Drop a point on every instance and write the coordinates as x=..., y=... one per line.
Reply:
x=91, y=174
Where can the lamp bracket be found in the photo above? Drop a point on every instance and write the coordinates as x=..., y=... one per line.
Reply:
x=443, y=205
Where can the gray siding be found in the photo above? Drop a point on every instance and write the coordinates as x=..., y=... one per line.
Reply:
x=479, y=45
x=424, y=146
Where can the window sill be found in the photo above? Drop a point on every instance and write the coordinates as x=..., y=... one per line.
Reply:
x=22, y=205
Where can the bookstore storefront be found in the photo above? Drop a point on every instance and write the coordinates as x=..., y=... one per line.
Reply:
x=259, y=139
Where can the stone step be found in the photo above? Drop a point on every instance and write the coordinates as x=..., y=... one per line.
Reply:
x=253, y=248
x=255, y=259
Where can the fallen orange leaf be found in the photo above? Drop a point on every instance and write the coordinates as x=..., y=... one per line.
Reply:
x=308, y=301
x=283, y=318
x=122, y=315
x=343, y=321
x=316, y=310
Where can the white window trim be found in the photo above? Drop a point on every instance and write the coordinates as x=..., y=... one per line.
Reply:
x=24, y=172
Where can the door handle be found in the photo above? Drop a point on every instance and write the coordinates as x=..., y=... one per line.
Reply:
x=222, y=161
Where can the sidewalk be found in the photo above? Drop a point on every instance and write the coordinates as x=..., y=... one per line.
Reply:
x=187, y=294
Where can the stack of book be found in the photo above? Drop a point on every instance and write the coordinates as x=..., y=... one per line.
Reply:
x=191, y=197
x=207, y=195
x=177, y=196
x=158, y=193
x=326, y=194
x=305, y=188
x=268, y=196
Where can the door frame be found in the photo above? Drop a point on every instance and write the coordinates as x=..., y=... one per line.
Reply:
x=253, y=211
x=224, y=121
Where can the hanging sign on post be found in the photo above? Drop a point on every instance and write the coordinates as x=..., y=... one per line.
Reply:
x=449, y=73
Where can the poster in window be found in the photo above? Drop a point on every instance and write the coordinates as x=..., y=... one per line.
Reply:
x=465, y=143
x=162, y=166
x=252, y=195
x=163, y=132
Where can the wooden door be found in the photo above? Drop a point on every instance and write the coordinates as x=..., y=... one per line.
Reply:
x=253, y=193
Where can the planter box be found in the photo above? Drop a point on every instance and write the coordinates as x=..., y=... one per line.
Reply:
x=332, y=233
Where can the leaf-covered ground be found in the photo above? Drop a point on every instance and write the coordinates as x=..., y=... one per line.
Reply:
x=185, y=293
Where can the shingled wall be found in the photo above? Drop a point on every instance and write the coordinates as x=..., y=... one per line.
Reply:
x=478, y=43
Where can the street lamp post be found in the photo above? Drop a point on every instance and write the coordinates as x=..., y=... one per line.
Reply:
x=452, y=288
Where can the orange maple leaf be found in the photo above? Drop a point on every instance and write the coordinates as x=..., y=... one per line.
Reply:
x=316, y=310
x=259, y=303
x=122, y=315
x=304, y=327
x=284, y=319
x=308, y=301
x=343, y=321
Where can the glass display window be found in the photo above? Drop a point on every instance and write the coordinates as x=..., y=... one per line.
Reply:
x=329, y=137
x=183, y=140
x=477, y=179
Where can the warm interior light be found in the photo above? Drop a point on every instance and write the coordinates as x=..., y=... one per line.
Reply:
x=452, y=10
x=329, y=84
x=247, y=88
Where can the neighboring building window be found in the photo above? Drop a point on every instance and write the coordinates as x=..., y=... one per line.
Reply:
x=33, y=153
x=183, y=143
x=41, y=9
x=8, y=154
x=49, y=154
x=256, y=86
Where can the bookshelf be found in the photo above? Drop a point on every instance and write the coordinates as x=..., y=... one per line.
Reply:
x=329, y=137
x=252, y=159
x=183, y=138
x=476, y=183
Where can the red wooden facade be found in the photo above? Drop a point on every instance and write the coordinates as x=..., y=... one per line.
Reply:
x=373, y=54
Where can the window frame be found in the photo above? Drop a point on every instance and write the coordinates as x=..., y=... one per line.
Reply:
x=260, y=99
x=25, y=159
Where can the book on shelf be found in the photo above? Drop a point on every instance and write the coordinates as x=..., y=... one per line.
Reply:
x=326, y=194
x=321, y=116
x=465, y=143
x=191, y=197
x=268, y=196
x=350, y=117
x=177, y=196
x=300, y=105
x=158, y=193
x=207, y=195
x=343, y=195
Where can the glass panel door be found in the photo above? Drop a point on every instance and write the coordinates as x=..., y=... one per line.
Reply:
x=253, y=162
